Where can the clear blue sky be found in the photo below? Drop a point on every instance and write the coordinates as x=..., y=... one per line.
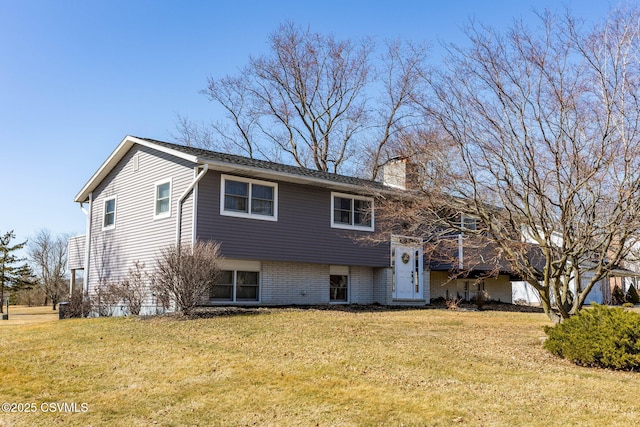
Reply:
x=77, y=76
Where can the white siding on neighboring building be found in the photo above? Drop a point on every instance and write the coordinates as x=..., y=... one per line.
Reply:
x=497, y=288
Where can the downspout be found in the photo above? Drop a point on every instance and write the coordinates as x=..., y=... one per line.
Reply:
x=182, y=198
x=87, y=244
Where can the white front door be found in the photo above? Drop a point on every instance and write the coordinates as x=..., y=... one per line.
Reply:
x=408, y=273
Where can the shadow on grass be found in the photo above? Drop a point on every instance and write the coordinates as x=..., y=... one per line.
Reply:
x=223, y=311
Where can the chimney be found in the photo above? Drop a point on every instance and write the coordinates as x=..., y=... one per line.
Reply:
x=400, y=173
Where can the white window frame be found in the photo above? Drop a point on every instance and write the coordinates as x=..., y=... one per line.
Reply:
x=104, y=212
x=352, y=226
x=250, y=182
x=467, y=220
x=167, y=214
x=340, y=270
x=236, y=266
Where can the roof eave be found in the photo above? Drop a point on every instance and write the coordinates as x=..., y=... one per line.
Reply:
x=287, y=176
x=117, y=155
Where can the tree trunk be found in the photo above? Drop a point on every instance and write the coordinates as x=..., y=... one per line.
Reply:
x=545, y=300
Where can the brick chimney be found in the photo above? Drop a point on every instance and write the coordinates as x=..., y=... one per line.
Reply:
x=400, y=173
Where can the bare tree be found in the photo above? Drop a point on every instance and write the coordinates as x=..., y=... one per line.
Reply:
x=48, y=256
x=186, y=273
x=309, y=101
x=546, y=130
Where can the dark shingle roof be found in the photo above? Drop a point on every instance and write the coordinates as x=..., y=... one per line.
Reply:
x=232, y=159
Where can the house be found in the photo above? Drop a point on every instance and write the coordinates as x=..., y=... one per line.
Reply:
x=288, y=235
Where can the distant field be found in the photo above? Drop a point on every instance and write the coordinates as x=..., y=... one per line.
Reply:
x=22, y=315
x=293, y=367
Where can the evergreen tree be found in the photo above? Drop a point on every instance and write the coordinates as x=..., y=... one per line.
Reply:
x=13, y=275
x=632, y=295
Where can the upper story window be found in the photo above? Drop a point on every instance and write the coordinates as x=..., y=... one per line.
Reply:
x=469, y=223
x=109, y=214
x=353, y=212
x=163, y=199
x=249, y=198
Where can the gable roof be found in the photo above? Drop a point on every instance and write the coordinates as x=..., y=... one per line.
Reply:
x=229, y=163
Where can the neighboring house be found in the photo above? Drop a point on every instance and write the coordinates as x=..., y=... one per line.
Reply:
x=524, y=293
x=288, y=235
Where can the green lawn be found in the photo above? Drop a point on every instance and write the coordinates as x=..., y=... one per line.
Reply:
x=287, y=367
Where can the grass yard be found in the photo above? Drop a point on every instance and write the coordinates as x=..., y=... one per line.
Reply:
x=288, y=367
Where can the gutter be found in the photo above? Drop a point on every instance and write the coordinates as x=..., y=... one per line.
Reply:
x=182, y=198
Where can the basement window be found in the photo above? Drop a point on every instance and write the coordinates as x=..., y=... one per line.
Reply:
x=236, y=286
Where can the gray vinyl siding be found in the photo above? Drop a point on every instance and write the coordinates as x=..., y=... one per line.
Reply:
x=137, y=235
x=302, y=233
x=75, y=257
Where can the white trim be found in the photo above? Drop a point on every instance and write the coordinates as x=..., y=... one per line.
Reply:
x=157, y=184
x=414, y=246
x=250, y=181
x=350, y=226
x=240, y=264
x=236, y=266
x=104, y=212
x=340, y=270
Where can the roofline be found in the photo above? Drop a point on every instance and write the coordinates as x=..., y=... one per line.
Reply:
x=117, y=155
x=284, y=176
x=129, y=141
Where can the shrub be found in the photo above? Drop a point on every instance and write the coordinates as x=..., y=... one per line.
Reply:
x=79, y=305
x=632, y=295
x=453, y=303
x=606, y=337
x=617, y=295
x=105, y=298
x=186, y=273
x=480, y=299
x=135, y=289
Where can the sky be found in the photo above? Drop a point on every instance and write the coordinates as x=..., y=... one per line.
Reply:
x=77, y=76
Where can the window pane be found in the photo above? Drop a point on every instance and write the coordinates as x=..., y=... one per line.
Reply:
x=236, y=196
x=362, y=212
x=469, y=223
x=236, y=188
x=162, y=206
x=342, y=203
x=262, y=199
x=247, y=293
x=338, y=287
x=342, y=217
x=262, y=207
x=235, y=203
x=247, y=278
x=163, y=190
x=342, y=210
x=223, y=289
x=262, y=192
x=221, y=292
x=109, y=212
x=225, y=278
